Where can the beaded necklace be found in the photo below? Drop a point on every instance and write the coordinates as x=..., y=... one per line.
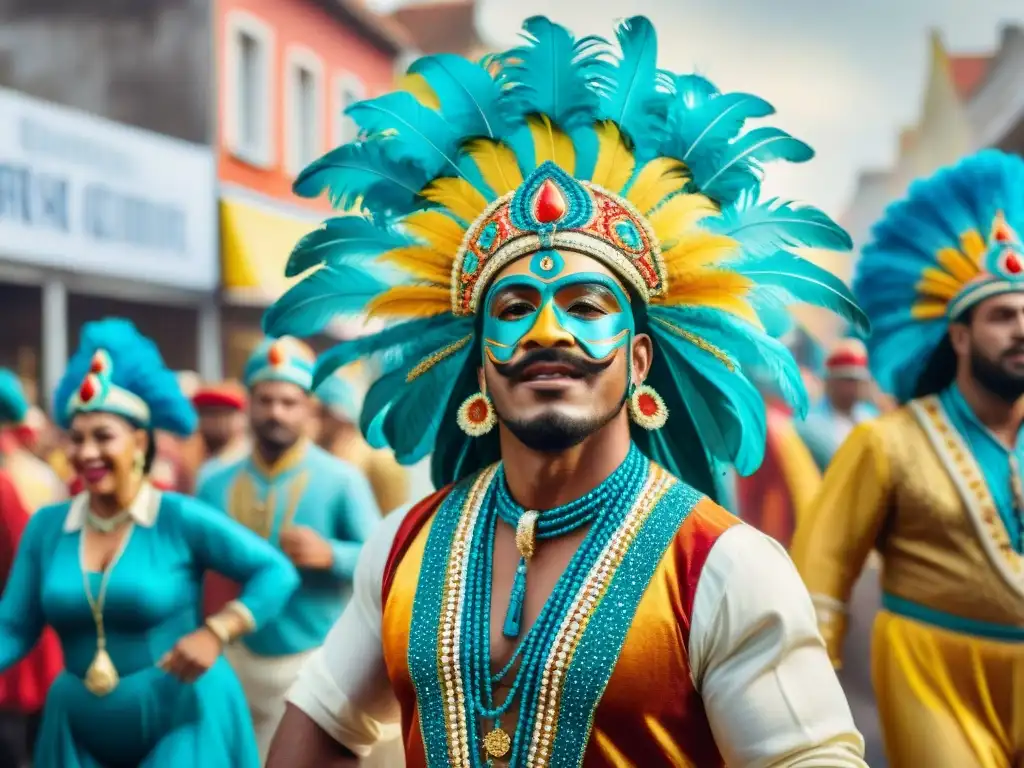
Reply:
x=603, y=508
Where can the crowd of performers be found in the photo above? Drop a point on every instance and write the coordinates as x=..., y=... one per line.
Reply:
x=585, y=297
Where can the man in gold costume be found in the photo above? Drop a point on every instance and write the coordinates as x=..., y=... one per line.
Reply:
x=935, y=486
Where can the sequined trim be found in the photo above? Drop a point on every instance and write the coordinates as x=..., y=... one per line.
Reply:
x=963, y=468
x=430, y=361
x=697, y=341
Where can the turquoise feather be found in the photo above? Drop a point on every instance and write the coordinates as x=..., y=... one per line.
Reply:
x=556, y=75
x=415, y=133
x=137, y=366
x=766, y=227
x=331, y=291
x=745, y=156
x=468, y=95
x=342, y=238
x=805, y=282
x=367, y=174
x=13, y=405
x=633, y=100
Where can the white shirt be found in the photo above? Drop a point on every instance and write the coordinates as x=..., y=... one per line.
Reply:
x=756, y=657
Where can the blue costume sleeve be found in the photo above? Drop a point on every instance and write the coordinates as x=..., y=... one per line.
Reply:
x=222, y=545
x=21, y=612
x=355, y=516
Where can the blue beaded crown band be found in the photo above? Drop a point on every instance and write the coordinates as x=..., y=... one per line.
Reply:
x=552, y=210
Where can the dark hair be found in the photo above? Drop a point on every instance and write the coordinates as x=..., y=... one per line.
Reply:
x=940, y=370
x=147, y=465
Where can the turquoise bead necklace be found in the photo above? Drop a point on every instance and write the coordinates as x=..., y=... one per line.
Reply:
x=603, y=509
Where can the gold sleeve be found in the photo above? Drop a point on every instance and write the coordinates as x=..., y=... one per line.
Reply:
x=837, y=532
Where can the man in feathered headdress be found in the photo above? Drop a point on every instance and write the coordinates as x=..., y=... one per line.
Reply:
x=574, y=243
x=936, y=486
x=315, y=508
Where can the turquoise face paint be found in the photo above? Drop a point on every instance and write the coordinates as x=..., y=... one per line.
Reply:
x=597, y=336
x=547, y=264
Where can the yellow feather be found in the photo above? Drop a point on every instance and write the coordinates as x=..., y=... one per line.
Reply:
x=936, y=283
x=550, y=143
x=928, y=310
x=423, y=263
x=712, y=288
x=957, y=264
x=673, y=218
x=615, y=162
x=411, y=301
x=974, y=246
x=498, y=165
x=418, y=86
x=698, y=249
x=458, y=196
x=657, y=180
x=442, y=232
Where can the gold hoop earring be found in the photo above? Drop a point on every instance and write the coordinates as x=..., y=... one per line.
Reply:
x=476, y=415
x=647, y=409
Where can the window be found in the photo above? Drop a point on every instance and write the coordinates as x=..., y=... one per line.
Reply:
x=304, y=105
x=249, y=89
x=348, y=90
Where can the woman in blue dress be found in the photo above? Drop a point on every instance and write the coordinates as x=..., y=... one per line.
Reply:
x=117, y=571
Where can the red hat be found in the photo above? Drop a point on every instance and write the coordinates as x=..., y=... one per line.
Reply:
x=228, y=394
x=848, y=360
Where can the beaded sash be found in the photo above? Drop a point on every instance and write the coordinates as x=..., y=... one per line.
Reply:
x=579, y=661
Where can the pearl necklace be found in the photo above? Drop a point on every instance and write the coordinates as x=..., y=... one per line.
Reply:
x=603, y=507
x=107, y=524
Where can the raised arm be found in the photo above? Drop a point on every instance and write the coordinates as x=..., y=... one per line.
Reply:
x=220, y=544
x=21, y=613
x=771, y=695
x=836, y=533
x=356, y=516
x=342, y=703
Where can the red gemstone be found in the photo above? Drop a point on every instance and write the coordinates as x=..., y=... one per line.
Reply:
x=648, y=405
x=549, y=205
x=477, y=411
x=1013, y=265
x=87, y=391
x=1002, y=235
x=97, y=365
x=275, y=355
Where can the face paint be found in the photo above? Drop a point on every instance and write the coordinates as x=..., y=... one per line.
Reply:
x=521, y=306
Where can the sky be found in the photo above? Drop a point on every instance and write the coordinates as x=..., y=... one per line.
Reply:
x=843, y=76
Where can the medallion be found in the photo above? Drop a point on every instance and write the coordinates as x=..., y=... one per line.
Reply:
x=101, y=678
x=497, y=743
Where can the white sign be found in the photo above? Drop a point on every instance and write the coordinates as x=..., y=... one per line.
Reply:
x=84, y=194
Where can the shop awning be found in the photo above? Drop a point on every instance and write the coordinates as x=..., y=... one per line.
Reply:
x=255, y=243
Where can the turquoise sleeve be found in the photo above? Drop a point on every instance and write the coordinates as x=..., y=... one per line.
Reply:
x=220, y=544
x=356, y=517
x=21, y=611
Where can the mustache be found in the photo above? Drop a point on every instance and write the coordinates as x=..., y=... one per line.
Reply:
x=1016, y=349
x=581, y=365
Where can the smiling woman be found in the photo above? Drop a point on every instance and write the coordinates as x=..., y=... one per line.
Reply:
x=116, y=572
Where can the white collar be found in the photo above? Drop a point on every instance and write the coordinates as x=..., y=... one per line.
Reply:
x=143, y=509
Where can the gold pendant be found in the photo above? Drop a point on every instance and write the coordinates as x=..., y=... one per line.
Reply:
x=526, y=534
x=497, y=743
x=101, y=677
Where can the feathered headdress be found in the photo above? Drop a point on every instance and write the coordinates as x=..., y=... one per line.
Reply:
x=951, y=243
x=118, y=370
x=562, y=144
x=13, y=405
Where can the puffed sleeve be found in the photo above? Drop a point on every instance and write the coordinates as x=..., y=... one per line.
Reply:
x=21, y=612
x=344, y=686
x=770, y=693
x=839, y=528
x=356, y=515
x=219, y=544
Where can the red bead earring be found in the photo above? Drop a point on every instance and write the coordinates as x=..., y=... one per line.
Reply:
x=476, y=415
x=647, y=409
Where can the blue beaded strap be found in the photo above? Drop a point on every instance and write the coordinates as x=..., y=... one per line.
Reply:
x=552, y=523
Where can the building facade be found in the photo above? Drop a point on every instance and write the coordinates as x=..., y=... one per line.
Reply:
x=107, y=180
x=996, y=109
x=287, y=70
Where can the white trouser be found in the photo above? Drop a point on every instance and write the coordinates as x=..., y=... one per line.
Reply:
x=266, y=680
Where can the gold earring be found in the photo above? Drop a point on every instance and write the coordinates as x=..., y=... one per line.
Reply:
x=646, y=408
x=139, y=463
x=476, y=415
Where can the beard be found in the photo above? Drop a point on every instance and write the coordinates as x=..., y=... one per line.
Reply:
x=556, y=432
x=995, y=378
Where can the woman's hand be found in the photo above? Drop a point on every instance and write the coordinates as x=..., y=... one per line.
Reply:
x=192, y=655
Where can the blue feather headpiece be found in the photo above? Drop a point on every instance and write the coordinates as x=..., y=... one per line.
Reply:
x=951, y=243
x=118, y=370
x=13, y=405
x=562, y=145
